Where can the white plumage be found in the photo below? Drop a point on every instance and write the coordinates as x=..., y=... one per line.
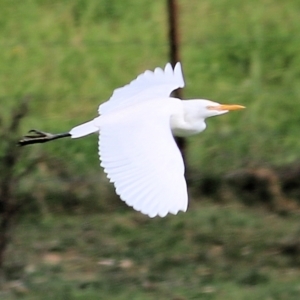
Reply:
x=136, y=145
x=140, y=157
x=147, y=86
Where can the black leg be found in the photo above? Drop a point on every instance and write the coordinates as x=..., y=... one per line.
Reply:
x=36, y=136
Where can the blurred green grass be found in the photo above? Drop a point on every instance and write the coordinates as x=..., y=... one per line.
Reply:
x=211, y=252
x=70, y=55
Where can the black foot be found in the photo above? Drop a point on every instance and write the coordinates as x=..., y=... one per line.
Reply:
x=36, y=136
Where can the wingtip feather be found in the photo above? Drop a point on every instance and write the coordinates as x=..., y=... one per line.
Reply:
x=178, y=73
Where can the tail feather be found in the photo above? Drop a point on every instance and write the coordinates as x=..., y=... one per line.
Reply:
x=83, y=129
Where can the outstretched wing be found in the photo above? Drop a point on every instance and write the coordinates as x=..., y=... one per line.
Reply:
x=141, y=158
x=149, y=85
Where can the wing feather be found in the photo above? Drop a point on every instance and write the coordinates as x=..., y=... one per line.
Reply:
x=149, y=85
x=141, y=158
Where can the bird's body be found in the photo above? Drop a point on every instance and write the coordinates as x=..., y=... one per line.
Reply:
x=136, y=144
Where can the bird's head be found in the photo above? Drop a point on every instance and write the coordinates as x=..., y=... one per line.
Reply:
x=195, y=113
x=207, y=108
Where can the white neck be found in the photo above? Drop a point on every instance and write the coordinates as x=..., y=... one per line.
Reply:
x=186, y=125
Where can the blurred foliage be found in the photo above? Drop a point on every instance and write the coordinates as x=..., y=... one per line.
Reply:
x=213, y=252
x=70, y=55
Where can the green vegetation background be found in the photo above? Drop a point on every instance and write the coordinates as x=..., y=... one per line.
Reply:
x=70, y=55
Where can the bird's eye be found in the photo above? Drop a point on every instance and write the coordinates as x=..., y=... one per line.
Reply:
x=212, y=107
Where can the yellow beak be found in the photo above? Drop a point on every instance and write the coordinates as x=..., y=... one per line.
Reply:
x=226, y=107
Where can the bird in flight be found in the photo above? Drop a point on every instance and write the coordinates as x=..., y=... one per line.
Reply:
x=137, y=149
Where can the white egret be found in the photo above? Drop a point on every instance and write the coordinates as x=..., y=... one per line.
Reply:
x=137, y=149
